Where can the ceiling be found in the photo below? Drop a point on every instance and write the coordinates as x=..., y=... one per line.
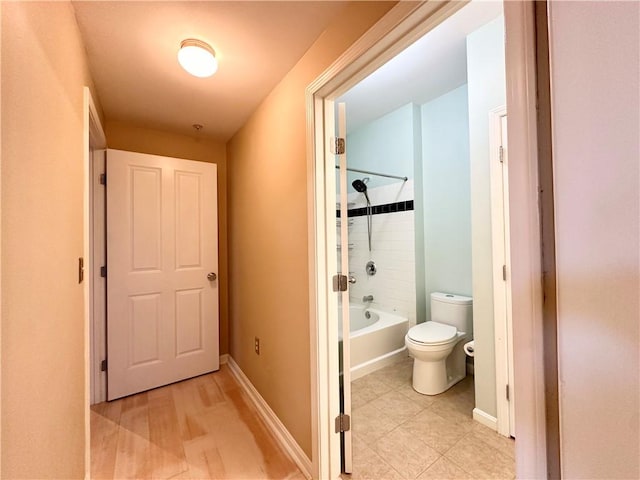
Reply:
x=430, y=67
x=132, y=49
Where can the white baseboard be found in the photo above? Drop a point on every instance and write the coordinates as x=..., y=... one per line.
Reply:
x=224, y=359
x=485, y=419
x=272, y=421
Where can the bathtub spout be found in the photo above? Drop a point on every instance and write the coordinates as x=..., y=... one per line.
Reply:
x=367, y=298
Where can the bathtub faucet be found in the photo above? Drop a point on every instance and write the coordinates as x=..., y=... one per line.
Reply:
x=367, y=298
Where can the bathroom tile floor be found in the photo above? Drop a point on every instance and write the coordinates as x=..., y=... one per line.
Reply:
x=401, y=434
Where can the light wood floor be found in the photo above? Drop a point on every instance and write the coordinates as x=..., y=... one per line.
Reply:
x=201, y=428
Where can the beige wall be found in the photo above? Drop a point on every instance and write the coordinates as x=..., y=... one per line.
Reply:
x=595, y=49
x=269, y=296
x=123, y=136
x=43, y=71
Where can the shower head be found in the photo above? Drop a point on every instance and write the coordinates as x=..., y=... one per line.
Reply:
x=361, y=186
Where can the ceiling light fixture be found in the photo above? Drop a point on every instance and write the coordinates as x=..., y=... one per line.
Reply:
x=197, y=58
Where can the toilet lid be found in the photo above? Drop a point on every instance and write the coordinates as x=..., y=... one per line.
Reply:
x=432, y=332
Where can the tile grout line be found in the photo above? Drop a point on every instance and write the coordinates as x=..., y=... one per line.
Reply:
x=444, y=455
x=430, y=465
x=460, y=396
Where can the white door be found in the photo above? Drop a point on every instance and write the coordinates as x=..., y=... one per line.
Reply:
x=347, y=455
x=162, y=258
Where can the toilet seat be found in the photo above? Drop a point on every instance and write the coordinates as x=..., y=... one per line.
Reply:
x=432, y=333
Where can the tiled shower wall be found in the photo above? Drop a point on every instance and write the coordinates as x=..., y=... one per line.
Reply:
x=392, y=249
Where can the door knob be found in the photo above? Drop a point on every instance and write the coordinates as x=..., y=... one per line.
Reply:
x=211, y=276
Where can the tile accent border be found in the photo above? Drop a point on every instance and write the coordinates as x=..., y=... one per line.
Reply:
x=403, y=206
x=271, y=420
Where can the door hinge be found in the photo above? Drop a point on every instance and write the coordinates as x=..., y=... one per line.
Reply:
x=337, y=145
x=80, y=269
x=340, y=283
x=103, y=271
x=504, y=273
x=103, y=366
x=507, y=391
x=501, y=153
x=343, y=423
x=103, y=179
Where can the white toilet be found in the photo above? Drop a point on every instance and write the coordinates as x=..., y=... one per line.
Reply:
x=437, y=345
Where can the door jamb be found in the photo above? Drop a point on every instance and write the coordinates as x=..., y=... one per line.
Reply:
x=533, y=385
x=501, y=272
x=402, y=25
x=98, y=325
x=93, y=137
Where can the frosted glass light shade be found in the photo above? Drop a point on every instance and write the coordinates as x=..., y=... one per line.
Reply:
x=197, y=58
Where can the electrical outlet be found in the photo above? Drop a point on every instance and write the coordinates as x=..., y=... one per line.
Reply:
x=257, y=345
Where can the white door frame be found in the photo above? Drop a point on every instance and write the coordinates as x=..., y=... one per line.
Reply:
x=98, y=251
x=498, y=167
x=402, y=25
x=93, y=138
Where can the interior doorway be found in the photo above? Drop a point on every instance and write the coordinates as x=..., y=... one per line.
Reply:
x=94, y=143
x=165, y=330
x=426, y=110
x=194, y=187
x=324, y=90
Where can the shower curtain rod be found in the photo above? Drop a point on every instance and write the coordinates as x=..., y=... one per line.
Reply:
x=404, y=179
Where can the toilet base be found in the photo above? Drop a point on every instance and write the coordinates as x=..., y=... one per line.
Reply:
x=429, y=378
x=434, y=377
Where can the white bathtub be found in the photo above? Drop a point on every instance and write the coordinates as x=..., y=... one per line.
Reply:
x=377, y=341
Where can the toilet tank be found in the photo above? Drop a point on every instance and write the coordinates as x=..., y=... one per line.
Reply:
x=455, y=310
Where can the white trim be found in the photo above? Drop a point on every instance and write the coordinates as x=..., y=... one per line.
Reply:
x=224, y=359
x=500, y=254
x=271, y=420
x=1, y=241
x=98, y=296
x=485, y=419
x=87, y=285
x=97, y=136
x=321, y=391
x=93, y=135
x=95, y=142
x=525, y=239
x=403, y=24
